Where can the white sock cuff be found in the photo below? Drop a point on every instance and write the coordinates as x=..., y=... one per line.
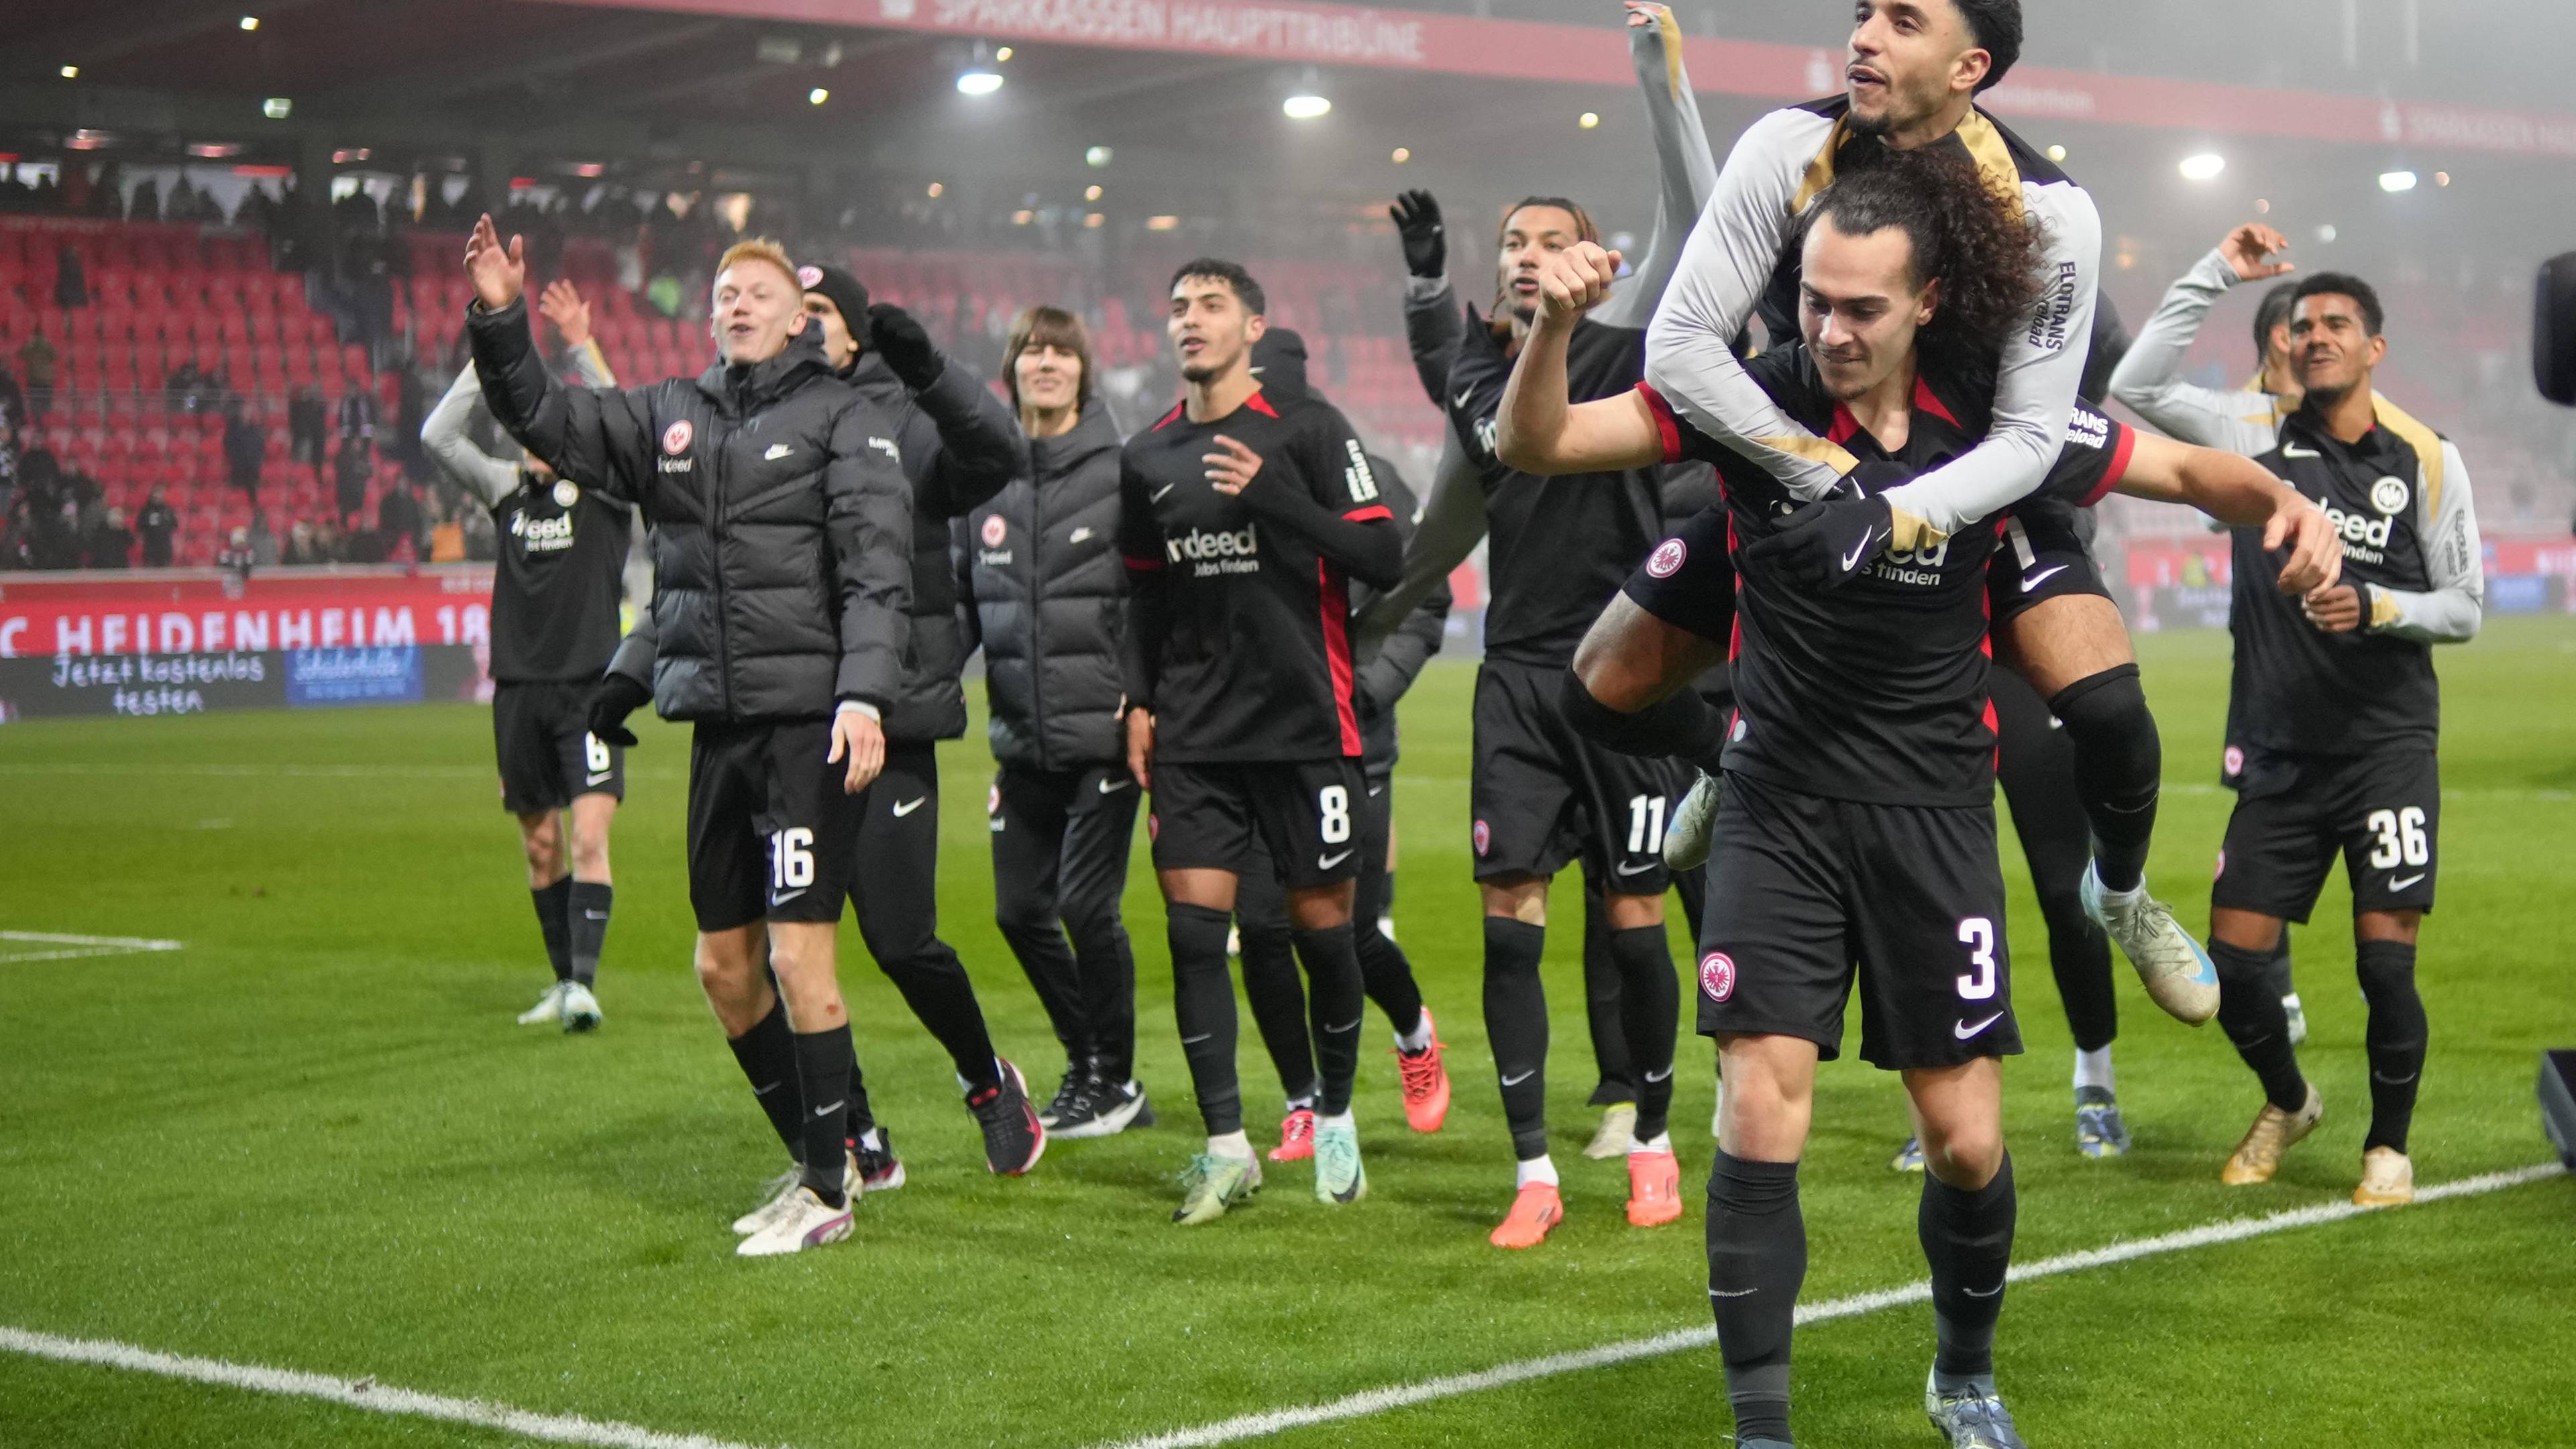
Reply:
x=1663, y=1142
x=1342, y=1120
x=1231, y=1144
x=1535, y=1169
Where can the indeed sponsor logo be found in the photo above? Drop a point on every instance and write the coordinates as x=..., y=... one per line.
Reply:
x=2369, y=533
x=542, y=535
x=1214, y=550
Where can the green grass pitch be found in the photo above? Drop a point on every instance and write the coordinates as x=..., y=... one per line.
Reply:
x=313, y=1140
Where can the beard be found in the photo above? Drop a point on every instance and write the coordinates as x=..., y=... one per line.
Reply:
x=1200, y=371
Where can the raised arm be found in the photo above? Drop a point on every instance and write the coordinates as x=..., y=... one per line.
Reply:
x=1538, y=431
x=2149, y=378
x=1445, y=535
x=443, y=433
x=603, y=438
x=2454, y=562
x=980, y=446
x=869, y=521
x=1685, y=167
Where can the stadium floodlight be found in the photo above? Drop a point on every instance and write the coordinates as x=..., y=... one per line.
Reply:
x=1098, y=157
x=2327, y=233
x=277, y=108
x=2203, y=167
x=71, y=72
x=1091, y=192
x=1306, y=99
x=977, y=81
x=250, y=22
x=817, y=96
x=2396, y=181
x=2057, y=153
x=1401, y=155
x=1588, y=120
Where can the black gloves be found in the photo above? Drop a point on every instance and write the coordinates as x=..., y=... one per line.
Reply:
x=1426, y=241
x=1826, y=544
x=611, y=700
x=904, y=346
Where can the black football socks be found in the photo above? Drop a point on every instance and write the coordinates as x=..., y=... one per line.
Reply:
x=2119, y=766
x=767, y=1054
x=1967, y=1239
x=1757, y=1259
x=1203, y=1004
x=554, y=919
x=1650, y=1017
x=587, y=912
x=1516, y=1025
x=1336, y=1005
x=2395, y=1039
x=2251, y=1014
x=825, y=1062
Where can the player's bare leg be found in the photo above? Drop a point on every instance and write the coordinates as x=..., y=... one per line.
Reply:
x=794, y=1046
x=2075, y=653
x=550, y=887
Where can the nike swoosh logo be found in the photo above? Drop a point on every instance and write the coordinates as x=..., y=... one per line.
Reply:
x=1989, y=1293
x=776, y=452
x=1354, y=1025
x=780, y=900
x=1112, y=787
x=1659, y=1076
x=599, y=779
x=1636, y=870
x=1078, y=535
x=772, y=1087
x=1327, y=862
x=2293, y=450
x=822, y=1112
x=1963, y=1031
x=1733, y=1293
x=1460, y=400
x=1851, y=560
x=596, y=915
x=1157, y=495
x=1195, y=1040
x=2032, y=581
x=906, y=807
x=2399, y=885
x=1523, y=1077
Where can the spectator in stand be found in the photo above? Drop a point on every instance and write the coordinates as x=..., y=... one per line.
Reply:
x=350, y=471
x=38, y=471
x=146, y=203
x=245, y=443
x=300, y=551
x=158, y=524
x=263, y=539
x=305, y=416
x=71, y=281
x=36, y=359
x=54, y=531
x=446, y=534
x=111, y=544
x=399, y=518
x=237, y=557
x=330, y=542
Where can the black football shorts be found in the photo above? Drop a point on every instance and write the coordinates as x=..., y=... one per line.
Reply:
x=2295, y=813
x=1310, y=815
x=541, y=734
x=1544, y=796
x=1807, y=895
x=772, y=836
x=2041, y=557
x=1688, y=581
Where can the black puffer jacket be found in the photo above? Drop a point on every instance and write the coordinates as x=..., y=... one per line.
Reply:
x=781, y=523
x=960, y=446
x=1041, y=585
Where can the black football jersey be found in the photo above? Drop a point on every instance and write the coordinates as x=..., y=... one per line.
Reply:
x=1556, y=548
x=1876, y=691
x=559, y=580
x=1256, y=662
x=2298, y=689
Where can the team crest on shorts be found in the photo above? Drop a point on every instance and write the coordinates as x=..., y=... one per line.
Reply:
x=2233, y=761
x=1484, y=837
x=1153, y=827
x=2222, y=864
x=675, y=438
x=809, y=277
x=1717, y=975
x=993, y=798
x=1667, y=558
x=996, y=528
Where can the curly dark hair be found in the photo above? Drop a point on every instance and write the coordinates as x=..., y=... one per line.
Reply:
x=1984, y=254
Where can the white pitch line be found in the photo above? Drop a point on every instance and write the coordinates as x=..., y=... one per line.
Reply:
x=1398, y=1396
x=77, y=947
x=364, y=1394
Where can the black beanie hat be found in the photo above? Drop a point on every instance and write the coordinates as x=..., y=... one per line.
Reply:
x=843, y=291
x=1279, y=360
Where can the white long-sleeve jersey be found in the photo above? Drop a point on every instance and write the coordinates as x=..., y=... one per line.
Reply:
x=2244, y=421
x=1740, y=251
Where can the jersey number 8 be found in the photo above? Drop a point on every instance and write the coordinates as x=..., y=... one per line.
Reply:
x=1333, y=807
x=2401, y=837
